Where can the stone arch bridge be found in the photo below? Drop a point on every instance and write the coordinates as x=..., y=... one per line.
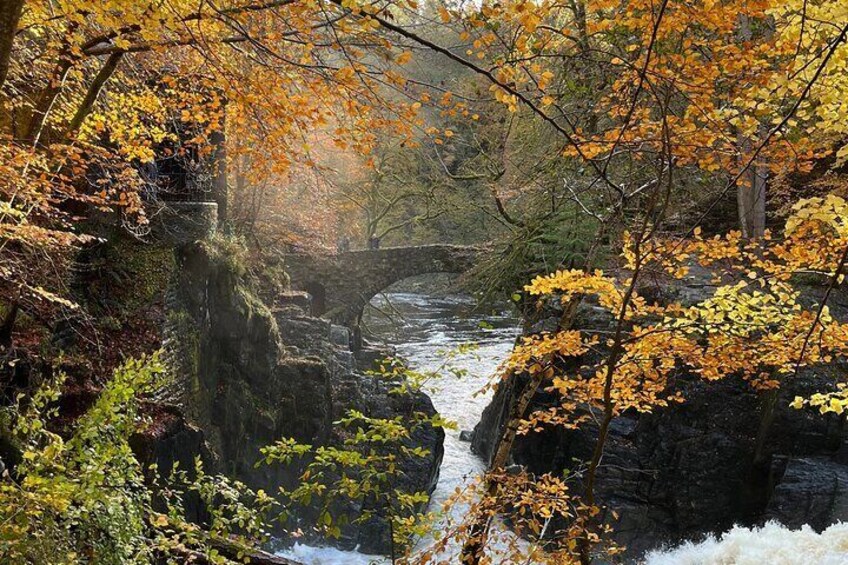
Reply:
x=342, y=284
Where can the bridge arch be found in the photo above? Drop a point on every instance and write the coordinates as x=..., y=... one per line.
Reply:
x=342, y=284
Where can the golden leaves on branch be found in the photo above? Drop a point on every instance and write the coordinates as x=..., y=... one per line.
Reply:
x=40, y=189
x=754, y=324
x=832, y=402
x=548, y=516
x=727, y=77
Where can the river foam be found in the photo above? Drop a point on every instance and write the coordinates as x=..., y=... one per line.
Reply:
x=313, y=555
x=773, y=544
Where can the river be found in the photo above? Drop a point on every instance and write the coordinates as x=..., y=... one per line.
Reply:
x=423, y=328
x=427, y=326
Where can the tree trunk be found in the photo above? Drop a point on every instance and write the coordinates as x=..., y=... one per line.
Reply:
x=10, y=15
x=751, y=196
x=477, y=533
x=8, y=324
x=751, y=191
x=474, y=544
x=46, y=99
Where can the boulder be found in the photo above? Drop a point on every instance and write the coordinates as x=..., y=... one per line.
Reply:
x=812, y=490
x=169, y=441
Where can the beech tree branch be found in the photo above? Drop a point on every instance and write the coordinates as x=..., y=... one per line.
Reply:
x=85, y=108
x=569, y=137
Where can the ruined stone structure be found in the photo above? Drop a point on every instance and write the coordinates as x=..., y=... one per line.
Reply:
x=342, y=284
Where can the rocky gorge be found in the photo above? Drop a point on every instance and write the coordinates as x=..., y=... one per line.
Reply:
x=247, y=365
x=258, y=369
x=250, y=365
x=252, y=373
x=725, y=456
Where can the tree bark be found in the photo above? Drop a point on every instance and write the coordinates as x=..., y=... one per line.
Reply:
x=476, y=541
x=8, y=324
x=46, y=99
x=751, y=196
x=10, y=15
x=751, y=191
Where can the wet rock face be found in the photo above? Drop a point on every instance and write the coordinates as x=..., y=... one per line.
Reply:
x=810, y=491
x=693, y=468
x=351, y=390
x=169, y=442
x=252, y=375
x=237, y=384
x=419, y=474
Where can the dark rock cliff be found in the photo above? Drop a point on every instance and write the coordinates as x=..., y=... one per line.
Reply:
x=249, y=374
x=690, y=469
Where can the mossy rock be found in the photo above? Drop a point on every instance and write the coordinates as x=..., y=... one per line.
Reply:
x=124, y=276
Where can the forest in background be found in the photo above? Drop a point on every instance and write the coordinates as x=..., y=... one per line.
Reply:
x=591, y=146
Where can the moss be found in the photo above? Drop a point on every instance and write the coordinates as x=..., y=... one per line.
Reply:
x=126, y=276
x=229, y=253
x=263, y=272
x=254, y=305
x=810, y=279
x=272, y=279
x=254, y=281
x=187, y=353
x=185, y=327
x=151, y=268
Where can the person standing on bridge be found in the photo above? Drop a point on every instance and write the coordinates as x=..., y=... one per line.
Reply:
x=373, y=242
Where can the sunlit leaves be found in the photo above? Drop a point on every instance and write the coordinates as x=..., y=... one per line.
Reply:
x=362, y=467
x=754, y=324
x=84, y=498
x=832, y=402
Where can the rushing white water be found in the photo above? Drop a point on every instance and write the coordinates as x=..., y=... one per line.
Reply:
x=772, y=544
x=423, y=330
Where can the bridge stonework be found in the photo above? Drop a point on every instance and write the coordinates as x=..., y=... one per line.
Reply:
x=342, y=284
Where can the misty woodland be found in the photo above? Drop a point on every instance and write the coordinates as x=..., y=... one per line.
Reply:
x=424, y=282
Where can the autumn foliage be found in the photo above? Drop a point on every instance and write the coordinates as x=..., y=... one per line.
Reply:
x=640, y=117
